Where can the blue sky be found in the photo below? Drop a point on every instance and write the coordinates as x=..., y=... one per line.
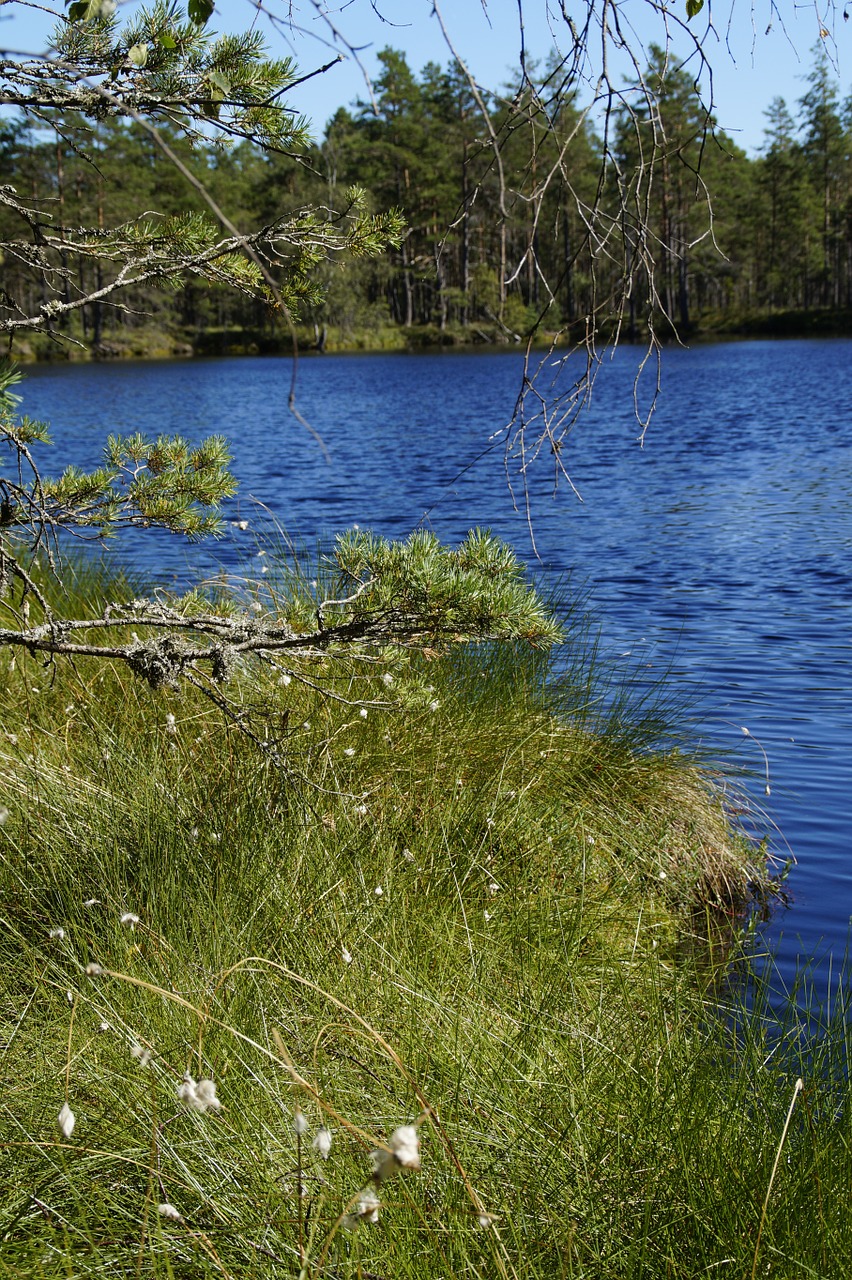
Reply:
x=750, y=65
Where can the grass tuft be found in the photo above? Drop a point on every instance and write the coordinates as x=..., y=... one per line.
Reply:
x=447, y=940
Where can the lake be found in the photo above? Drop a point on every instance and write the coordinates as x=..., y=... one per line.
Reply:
x=720, y=550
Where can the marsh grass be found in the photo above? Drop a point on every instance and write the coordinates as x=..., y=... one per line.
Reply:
x=465, y=911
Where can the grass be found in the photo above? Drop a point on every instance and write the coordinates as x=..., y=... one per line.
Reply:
x=465, y=911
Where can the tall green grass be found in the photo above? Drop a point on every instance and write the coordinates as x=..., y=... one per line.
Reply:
x=463, y=910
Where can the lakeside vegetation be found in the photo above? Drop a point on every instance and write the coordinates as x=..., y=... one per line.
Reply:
x=151, y=343
x=486, y=899
x=348, y=928
x=488, y=253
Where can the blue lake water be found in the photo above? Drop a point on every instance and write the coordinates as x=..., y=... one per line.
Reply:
x=720, y=550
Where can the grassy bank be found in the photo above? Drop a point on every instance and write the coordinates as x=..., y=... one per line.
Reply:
x=462, y=907
x=160, y=343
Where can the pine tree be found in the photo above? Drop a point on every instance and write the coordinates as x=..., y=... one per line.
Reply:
x=787, y=248
x=824, y=148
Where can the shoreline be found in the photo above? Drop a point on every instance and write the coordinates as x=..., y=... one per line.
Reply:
x=154, y=344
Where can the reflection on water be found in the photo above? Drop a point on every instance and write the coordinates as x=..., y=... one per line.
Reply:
x=721, y=549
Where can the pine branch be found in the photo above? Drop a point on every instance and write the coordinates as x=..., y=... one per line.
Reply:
x=410, y=594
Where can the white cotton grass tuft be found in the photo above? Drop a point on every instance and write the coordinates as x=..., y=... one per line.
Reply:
x=57, y=934
x=300, y=1122
x=403, y=1152
x=405, y=1145
x=169, y=1212
x=129, y=920
x=66, y=1121
x=346, y=956
x=322, y=1142
x=387, y=679
x=365, y=1209
x=141, y=1053
x=363, y=713
x=186, y=1092
x=171, y=723
x=198, y=1097
x=205, y=1092
x=349, y=751
x=93, y=970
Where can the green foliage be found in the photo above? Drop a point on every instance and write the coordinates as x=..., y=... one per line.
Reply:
x=478, y=590
x=142, y=482
x=139, y=110
x=200, y=10
x=178, y=70
x=17, y=430
x=146, y=482
x=90, y=10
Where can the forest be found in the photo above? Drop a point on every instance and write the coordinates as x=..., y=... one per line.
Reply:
x=493, y=248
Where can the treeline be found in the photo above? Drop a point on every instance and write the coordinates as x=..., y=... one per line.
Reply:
x=498, y=193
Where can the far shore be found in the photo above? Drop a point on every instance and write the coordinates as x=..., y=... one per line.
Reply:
x=150, y=343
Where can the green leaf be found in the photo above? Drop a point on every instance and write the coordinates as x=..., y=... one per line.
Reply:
x=166, y=40
x=693, y=8
x=220, y=85
x=200, y=11
x=85, y=10
x=138, y=55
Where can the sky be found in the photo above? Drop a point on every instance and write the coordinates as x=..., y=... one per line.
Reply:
x=751, y=65
x=756, y=53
